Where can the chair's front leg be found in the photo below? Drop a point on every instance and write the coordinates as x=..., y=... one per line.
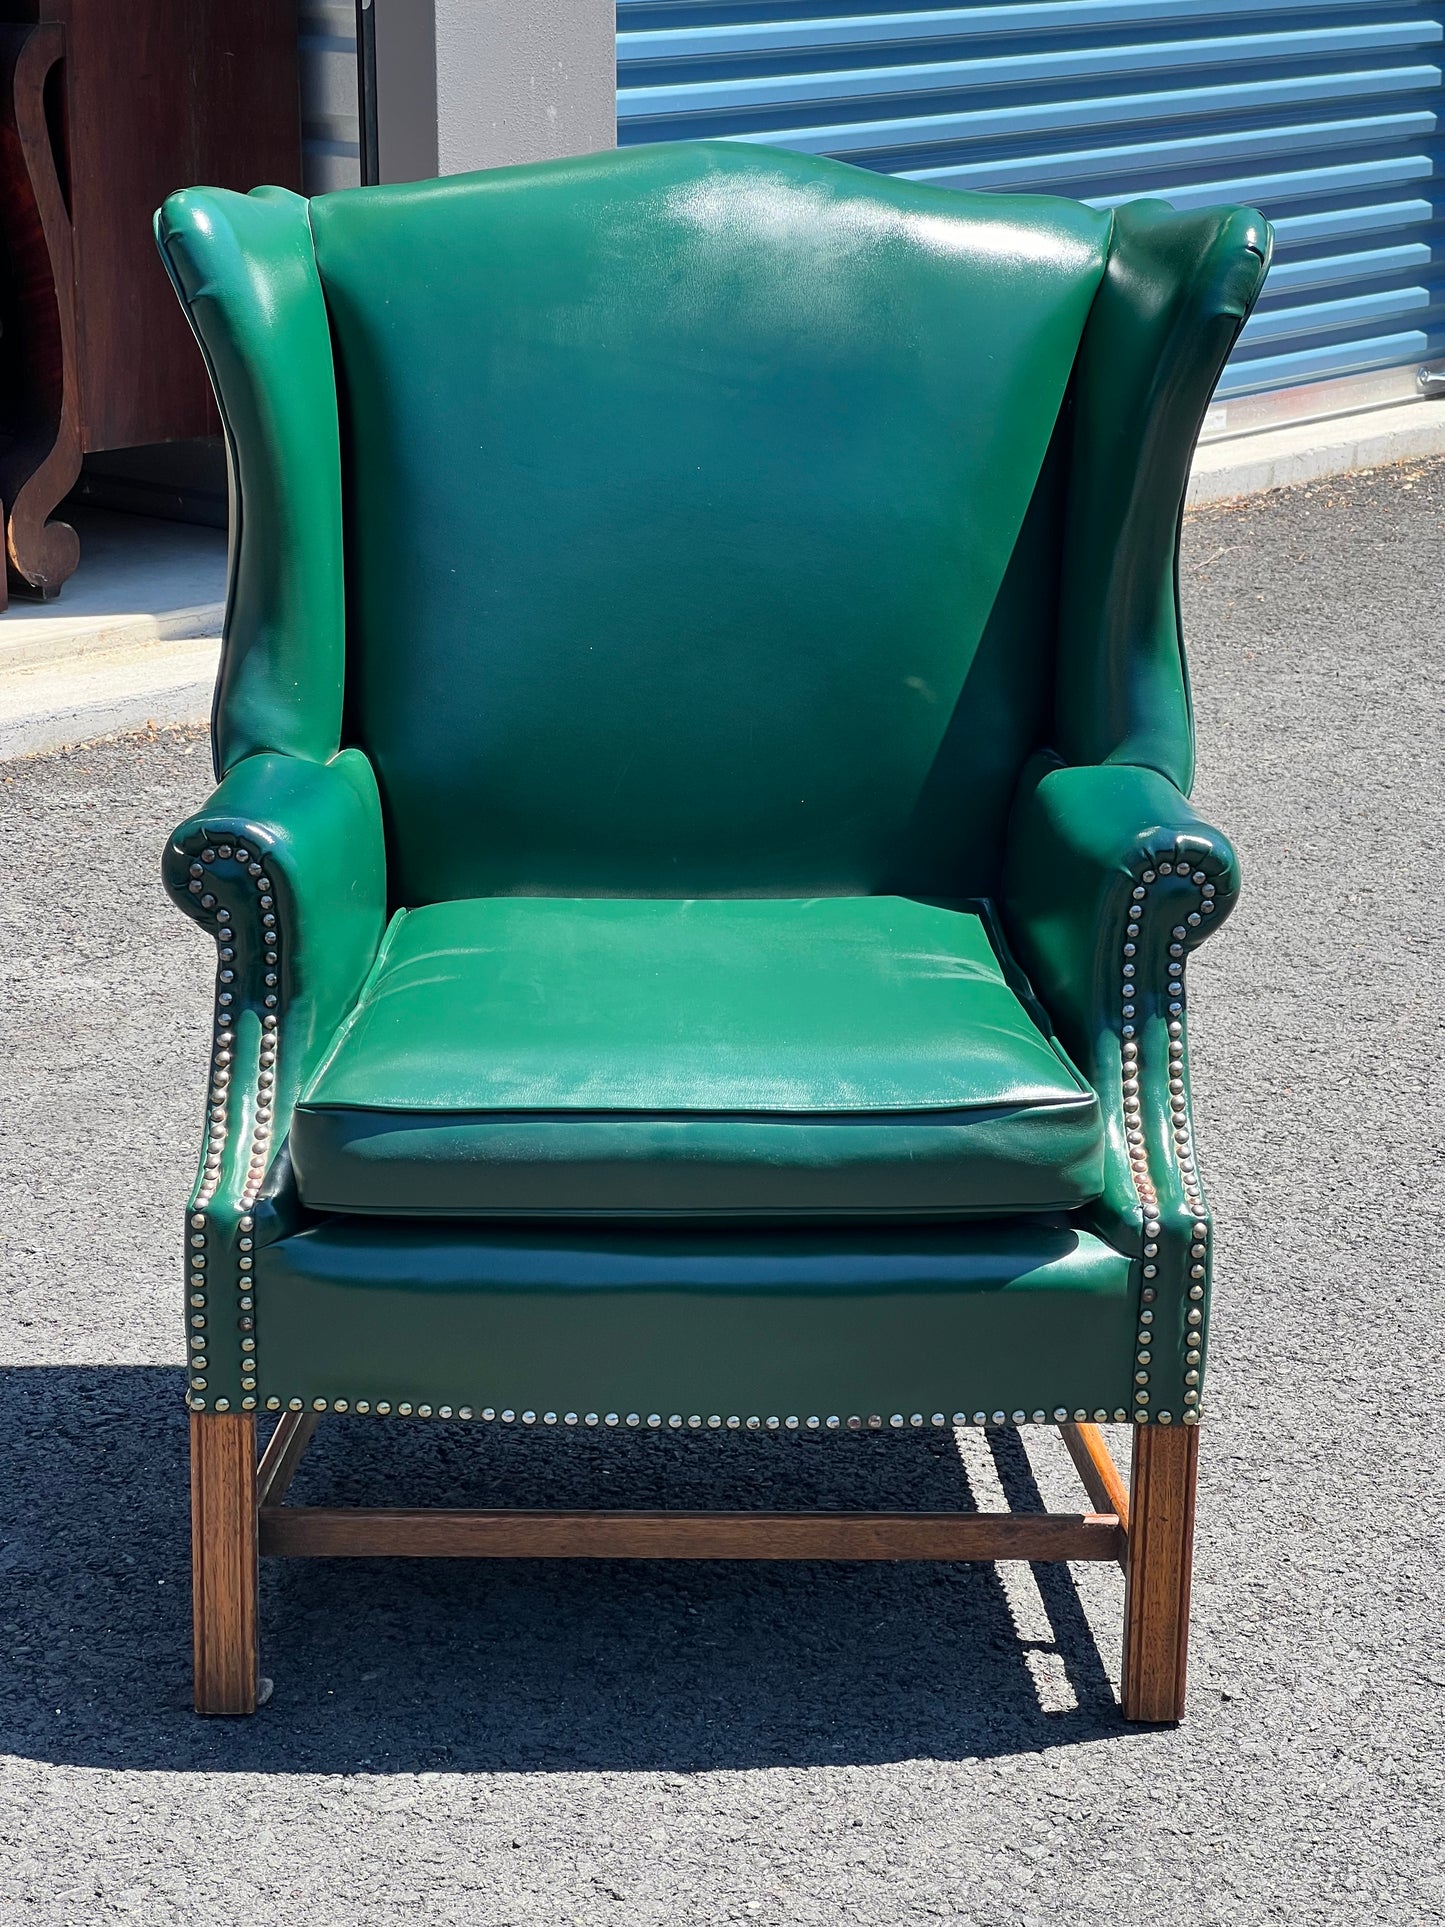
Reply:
x=1160, y=1562
x=224, y=1560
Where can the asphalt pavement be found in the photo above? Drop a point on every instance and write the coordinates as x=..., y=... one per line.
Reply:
x=670, y=1745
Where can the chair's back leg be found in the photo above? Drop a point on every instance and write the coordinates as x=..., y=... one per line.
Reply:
x=224, y=1560
x=1161, y=1554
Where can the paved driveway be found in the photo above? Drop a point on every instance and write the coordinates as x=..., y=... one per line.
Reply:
x=672, y=1744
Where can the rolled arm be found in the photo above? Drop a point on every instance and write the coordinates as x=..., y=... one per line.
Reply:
x=1111, y=879
x=285, y=867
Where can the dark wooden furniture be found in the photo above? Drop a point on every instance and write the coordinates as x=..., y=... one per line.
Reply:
x=104, y=109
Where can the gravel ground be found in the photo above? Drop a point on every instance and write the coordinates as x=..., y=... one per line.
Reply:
x=501, y=1746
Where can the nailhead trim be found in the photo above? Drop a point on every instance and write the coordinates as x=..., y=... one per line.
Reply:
x=223, y=1055
x=218, y=1111
x=676, y=1422
x=1183, y=1143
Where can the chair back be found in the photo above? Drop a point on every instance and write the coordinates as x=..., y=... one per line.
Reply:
x=701, y=533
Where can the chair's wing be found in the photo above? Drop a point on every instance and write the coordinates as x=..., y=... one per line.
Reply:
x=285, y=865
x=1176, y=292
x=1111, y=879
x=245, y=271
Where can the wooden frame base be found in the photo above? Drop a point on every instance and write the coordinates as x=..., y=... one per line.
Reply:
x=1157, y=1573
x=238, y=1512
x=224, y=1561
x=312, y=1533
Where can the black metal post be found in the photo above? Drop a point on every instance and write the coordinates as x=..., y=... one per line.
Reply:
x=366, y=91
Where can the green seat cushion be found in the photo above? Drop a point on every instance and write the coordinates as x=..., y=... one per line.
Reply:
x=776, y=1057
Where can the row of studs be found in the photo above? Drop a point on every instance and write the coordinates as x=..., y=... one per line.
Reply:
x=655, y=1421
x=245, y=1305
x=260, y=1149
x=1183, y=1144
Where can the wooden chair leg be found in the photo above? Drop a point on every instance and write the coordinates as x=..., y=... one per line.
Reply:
x=224, y=1560
x=1160, y=1559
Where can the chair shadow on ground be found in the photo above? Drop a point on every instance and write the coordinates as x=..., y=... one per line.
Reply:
x=465, y=1666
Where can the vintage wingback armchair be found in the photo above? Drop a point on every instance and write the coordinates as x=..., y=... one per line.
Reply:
x=701, y=866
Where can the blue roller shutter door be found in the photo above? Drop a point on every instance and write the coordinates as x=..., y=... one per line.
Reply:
x=1324, y=115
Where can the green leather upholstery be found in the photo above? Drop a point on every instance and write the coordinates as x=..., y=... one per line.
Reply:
x=1177, y=290
x=1110, y=870
x=246, y=274
x=286, y=866
x=601, y=1057
x=789, y=1326
x=752, y=524
x=720, y=606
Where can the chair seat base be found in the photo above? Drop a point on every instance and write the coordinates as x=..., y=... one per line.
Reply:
x=834, y=1328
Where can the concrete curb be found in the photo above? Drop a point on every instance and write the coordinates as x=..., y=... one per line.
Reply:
x=29, y=643
x=1239, y=465
x=132, y=640
x=81, y=697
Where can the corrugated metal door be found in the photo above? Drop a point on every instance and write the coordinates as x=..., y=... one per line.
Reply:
x=326, y=41
x=1325, y=115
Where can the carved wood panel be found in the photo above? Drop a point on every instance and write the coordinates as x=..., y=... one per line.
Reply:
x=106, y=109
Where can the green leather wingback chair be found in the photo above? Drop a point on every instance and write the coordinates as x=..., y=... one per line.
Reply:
x=701, y=869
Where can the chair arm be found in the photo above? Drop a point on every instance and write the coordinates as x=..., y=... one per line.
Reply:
x=286, y=867
x=1110, y=880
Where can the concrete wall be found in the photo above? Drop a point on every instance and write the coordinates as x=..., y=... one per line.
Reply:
x=463, y=84
x=406, y=89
